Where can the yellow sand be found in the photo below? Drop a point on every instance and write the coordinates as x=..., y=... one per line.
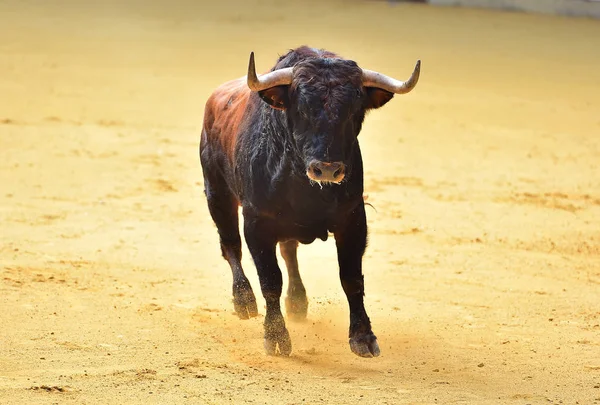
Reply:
x=483, y=271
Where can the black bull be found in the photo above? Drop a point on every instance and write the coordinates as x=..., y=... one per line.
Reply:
x=284, y=146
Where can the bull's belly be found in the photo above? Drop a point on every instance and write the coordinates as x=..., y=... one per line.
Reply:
x=305, y=219
x=303, y=233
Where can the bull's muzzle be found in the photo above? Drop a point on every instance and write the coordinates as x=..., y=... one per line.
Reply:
x=326, y=172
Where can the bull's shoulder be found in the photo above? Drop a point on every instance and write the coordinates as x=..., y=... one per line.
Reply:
x=224, y=114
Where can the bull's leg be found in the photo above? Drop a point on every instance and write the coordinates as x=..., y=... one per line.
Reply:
x=224, y=210
x=261, y=242
x=351, y=241
x=296, y=303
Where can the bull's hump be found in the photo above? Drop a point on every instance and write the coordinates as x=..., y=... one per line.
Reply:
x=227, y=93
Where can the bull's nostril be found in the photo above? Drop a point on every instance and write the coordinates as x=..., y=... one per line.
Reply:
x=317, y=171
x=337, y=173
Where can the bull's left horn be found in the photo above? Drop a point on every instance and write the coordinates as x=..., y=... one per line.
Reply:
x=279, y=77
x=376, y=79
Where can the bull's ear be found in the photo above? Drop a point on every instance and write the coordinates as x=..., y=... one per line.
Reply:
x=377, y=97
x=277, y=97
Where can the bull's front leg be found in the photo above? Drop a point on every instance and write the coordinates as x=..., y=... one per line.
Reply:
x=261, y=243
x=351, y=241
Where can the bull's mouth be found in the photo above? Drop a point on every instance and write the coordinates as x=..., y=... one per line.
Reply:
x=321, y=181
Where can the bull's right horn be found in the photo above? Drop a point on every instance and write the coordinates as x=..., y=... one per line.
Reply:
x=376, y=79
x=279, y=77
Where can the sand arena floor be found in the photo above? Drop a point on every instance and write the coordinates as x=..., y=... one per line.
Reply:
x=483, y=271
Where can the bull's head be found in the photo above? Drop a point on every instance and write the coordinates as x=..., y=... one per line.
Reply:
x=325, y=100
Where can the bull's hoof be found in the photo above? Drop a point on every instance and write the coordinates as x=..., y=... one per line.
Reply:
x=244, y=303
x=278, y=343
x=296, y=307
x=365, y=345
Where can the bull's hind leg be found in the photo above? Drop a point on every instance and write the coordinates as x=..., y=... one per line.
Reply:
x=262, y=242
x=296, y=303
x=223, y=208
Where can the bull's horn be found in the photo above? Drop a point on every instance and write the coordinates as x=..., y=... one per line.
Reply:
x=279, y=77
x=376, y=79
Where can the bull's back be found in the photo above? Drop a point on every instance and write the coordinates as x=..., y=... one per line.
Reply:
x=223, y=116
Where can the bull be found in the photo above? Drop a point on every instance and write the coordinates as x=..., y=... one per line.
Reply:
x=284, y=146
